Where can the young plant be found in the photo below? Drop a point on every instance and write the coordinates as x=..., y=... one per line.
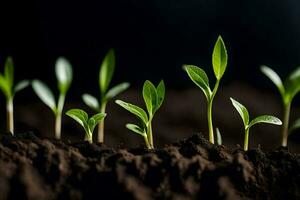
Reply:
x=105, y=75
x=153, y=97
x=199, y=77
x=87, y=123
x=64, y=75
x=288, y=90
x=248, y=124
x=9, y=90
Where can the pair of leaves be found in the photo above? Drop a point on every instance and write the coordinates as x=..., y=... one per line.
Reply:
x=87, y=123
x=219, y=62
x=289, y=88
x=243, y=112
x=64, y=75
x=7, y=80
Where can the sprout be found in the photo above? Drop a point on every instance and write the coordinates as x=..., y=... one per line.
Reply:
x=245, y=117
x=219, y=136
x=288, y=91
x=87, y=123
x=153, y=97
x=64, y=75
x=105, y=75
x=199, y=77
x=9, y=90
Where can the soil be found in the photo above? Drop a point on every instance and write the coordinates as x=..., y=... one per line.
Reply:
x=34, y=168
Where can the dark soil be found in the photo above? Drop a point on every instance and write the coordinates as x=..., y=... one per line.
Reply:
x=33, y=168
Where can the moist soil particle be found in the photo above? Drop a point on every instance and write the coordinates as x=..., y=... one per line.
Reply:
x=33, y=168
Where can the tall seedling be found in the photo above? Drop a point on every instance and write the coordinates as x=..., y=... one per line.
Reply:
x=64, y=75
x=105, y=75
x=199, y=77
x=288, y=90
x=9, y=90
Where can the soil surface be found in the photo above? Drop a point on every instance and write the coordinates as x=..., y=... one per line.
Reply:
x=34, y=168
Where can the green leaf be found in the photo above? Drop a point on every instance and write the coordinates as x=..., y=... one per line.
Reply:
x=9, y=72
x=199, y=77
x=44, y=93
x=113, y=92
x=106, y=71
x=139, y=112
x=21, y=85
x=136, y=129
x=94, y=120
x=219, y=58
x=64, y=74
x=292, y=84
x=241, y=110
x=5, y=87
x=150, y=97
x=265, y=119
x=91, y=101
x=160, y=90
x=273, y=76
x=294, y=126
x=80, y=116
x=219, y=136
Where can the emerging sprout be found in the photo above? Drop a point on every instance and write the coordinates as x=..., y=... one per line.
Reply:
x=199, y=77
x=153, y=97
x=87, y=123
x=9, y=90
x=219, y=136
x=288, y=91
x=64, y=75
x=105, y=75
x=245, y=117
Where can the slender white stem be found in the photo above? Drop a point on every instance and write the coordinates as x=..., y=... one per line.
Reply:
x=10, y=115
x=101, y=126
x=58, y=117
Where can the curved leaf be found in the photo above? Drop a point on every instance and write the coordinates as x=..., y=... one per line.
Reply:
x=160, y=90
x=5, y=87
x=219, y=58
x=64, y=74
x=9, y=72
x=292, y=84
x=273, y=76
x=91, y=101
x=150, y=97
x=106, y=71
x=295, y=125
x=44, y=93
x=21, y=85
x=94, y=120
x=265, y=119
x=242, y=110
x=114, y=91
x=80, y=116
x=136, y=129
x=139, y=112
x=199, y=77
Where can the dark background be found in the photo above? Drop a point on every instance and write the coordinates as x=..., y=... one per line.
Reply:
x=152, y=40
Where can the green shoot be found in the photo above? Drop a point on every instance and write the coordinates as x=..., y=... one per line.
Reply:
x=248, y=124
x=9, y=90
x=105, y=75
x=87, y=123
x=153, y=98
x=199, y=77
x=64, y=75
x=288, y=90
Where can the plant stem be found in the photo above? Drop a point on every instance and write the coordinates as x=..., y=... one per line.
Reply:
x=60, y=106
x=10, y=115
x=246, y=139
x=147, y=143
x=209, y=112
x=285, y=125
x=89, y=137
x=150, y=135
x=101, y=125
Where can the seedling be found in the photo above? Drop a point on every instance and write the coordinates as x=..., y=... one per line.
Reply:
x=199, y=77
x=247, y=125
x=153, y=97
x=64, y=75
x=288, y=90
x=105, y=75
x=9, y=91
x=87, y=123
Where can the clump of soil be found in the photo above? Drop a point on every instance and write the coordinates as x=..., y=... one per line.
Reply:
x=33, y=168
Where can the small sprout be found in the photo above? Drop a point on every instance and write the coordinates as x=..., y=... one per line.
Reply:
x=153, y=97
x=288, y=90
x=9, y=90
x=105, y=75
x=199, y=77
x=64, y=75
x=87, y=123
x=245, y=117
x=219, y=136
